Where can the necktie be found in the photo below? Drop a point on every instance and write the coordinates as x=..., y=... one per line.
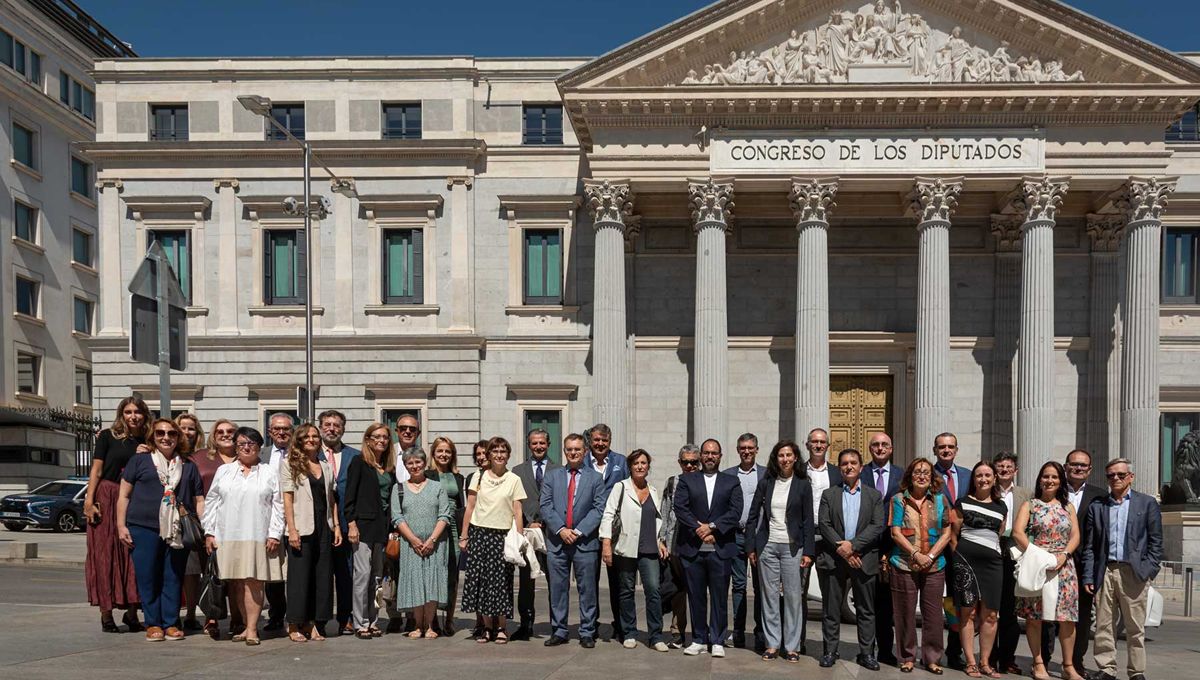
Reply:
x=950, y=485
x=880, y=486
x=571, y=500
x=333, y=463
x=537, y=474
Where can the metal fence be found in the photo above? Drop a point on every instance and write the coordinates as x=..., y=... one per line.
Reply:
x=1179, y=576
x=84, y=426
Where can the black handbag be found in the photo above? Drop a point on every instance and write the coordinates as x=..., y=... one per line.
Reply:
x=616, y=521
x=212, y=591
x=191, y=533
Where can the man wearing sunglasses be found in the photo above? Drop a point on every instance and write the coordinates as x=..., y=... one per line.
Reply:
x=1122, y=553
x=689, y=461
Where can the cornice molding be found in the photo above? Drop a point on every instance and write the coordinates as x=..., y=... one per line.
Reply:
x=466, y=151
x=196, y=206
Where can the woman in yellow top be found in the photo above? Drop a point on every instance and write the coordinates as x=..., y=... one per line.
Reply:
x=493, y=506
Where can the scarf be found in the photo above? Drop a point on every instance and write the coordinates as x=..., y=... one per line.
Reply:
x=169, y=474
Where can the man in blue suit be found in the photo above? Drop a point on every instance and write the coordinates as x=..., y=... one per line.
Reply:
x=1122, y=553
x=748, y=473
x=333, y=425
x=708, y=506
x=883, y=476
x=956, y=481
x=571, y=505
x=613, y=468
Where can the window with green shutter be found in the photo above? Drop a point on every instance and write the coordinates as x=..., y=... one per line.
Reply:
x=284, y=279
x=550, y=421
x=403, y=267
x=543, y=267
x=176, y=243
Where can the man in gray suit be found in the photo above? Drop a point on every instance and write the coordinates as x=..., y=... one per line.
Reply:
x=1009, y=630
x=1122, y=553
x=531, y=473
x=850, y=522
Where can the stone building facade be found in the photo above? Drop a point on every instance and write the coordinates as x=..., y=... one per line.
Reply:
x=767, y=216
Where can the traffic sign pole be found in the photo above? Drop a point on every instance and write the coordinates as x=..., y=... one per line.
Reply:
x=162, y=267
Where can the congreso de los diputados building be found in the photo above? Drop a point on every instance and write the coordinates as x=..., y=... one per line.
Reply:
x=976, y=216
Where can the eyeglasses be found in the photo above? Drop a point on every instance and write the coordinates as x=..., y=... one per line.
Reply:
x=922, y=474
x=170, y=434
x=1079, y=466
x=1118, y=475
x=407, y=428
x=245, y=446
x=689, y=463
x=379, y=437
x=226, y=433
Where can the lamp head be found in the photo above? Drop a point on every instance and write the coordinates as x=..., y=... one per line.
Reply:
x=255, y=103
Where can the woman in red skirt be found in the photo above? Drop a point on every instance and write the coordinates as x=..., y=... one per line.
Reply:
x=109, y=567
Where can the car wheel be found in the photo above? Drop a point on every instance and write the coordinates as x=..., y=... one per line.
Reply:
x=14, y=526
x=66, y=522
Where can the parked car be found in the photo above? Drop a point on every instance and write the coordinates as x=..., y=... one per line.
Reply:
x=58, y=505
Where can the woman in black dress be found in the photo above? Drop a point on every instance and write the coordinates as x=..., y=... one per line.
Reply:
x=979, y=519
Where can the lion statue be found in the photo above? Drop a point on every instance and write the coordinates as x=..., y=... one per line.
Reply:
x=1185, y=477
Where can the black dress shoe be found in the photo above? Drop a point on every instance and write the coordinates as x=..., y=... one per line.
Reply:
x=828, y=660
x=867, y=661
x=273, y=626
x=739, y=640
x=1101, y=675
x=1138, y=676
x=586, y=643
x=956, y=662
x=523, y=634
x=889, y=659
x=554, y=641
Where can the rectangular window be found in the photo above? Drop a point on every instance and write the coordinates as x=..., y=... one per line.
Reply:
x=543, y=124
x=24, y=143
x=29, y=373
x=64, y=88
x=1185, y=129
x=403, y=267
x=6, y=49
x=35, y=68
x=169, y=123
x=27, y=296
x=1174, y=427
x=388, y=416
x=543, y=267
x=283, y=268
x=290, y=116
x=25, y=222
x=81, y=247
x=1179, y=267
x=83, y=316
x=72, y=93
x=81, y=177
x=19, y=64
x=551, y=422
x=83, y=385
x=176, y=243
x=402, y=121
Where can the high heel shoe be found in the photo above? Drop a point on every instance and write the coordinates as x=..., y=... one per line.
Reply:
x=1069, y=673
x=1033, y=671
x=131, y=620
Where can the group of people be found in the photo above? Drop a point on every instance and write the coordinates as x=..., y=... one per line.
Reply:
x=316, y=530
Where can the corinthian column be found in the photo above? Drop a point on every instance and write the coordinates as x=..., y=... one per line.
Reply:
x=1006, y=229
x=1104, y=352
x=1042, y=197
x=712, y=203
x=933, y=201
x=1143, y=201
x=611, y=206
x=811, y=202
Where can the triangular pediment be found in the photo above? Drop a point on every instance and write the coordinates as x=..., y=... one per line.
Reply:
x=796, y=43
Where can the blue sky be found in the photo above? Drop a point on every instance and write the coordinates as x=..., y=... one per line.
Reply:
x=174, y=28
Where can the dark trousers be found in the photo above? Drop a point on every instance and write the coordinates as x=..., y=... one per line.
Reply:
x=310, y=578
x=158, y=570
x=884, y=624
x=343, y=580
x=628, y=569
x=525, y=599
x=739, y=581
x=708, y=592
x=805, y=575
x=833, y=588
x=277, y=598
x=614, y=600
x=954, y=650
x=1008, y=632
x=1083, y=628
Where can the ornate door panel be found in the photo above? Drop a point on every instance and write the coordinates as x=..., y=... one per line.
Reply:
x=859, y=406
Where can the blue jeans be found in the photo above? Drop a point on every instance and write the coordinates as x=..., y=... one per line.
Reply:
x=159, y=574
x=628, y=569
x=740, y=591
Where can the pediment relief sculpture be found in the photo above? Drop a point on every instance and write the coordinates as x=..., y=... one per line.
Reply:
x=879, y=42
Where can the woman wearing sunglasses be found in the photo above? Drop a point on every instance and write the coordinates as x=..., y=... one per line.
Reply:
x=153, y=487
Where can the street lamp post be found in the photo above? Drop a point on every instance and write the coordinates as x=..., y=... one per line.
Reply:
x=261, y=106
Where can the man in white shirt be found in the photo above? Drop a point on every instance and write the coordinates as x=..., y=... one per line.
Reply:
x=532, y=473
x=821, y=475
x=279, y=429
x=1008, y=633
x=748, y=473
x=884, y=477
x=612, y=468
x=333, y=425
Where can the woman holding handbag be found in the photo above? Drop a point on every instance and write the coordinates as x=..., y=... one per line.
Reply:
x=153, y=489
x=243, y=517
x=629, y=543
x=369, y=483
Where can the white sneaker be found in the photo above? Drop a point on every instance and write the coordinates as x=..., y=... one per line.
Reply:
x=661, y=646
x=718, y=652
x=629, y=643
x=694, y=649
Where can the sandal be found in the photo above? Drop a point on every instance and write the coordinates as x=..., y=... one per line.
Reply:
x=375, y=632
x=1033, y=671
x=988, y=671
x=253, y=642
x=1069, y=673
x=213, y=629
x=792, y=657
x=240, y=637
x=501, y=637
x=431, y=634
x=972, y=671
x=482, y=637
x=297, y=636
x=314, y=633
x=413, y=635
x=770, y=655
x=906, y=667
x=364, y=634
x=935, y=669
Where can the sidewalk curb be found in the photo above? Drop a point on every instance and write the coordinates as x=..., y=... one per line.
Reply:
x=43, y=562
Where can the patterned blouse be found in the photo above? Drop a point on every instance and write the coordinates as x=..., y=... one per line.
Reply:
x=921, y=523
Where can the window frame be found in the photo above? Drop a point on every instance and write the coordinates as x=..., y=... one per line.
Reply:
x=34, y=214
x=88, y=179
x=33, y=145
x=175, y=134
x=1168, y=267
x=405, y=131
x=526, y=298
x=89, y=315
x=1166, y=450
x=543, y=136
x=555, y=451
x=74, y=95
x=394, y=408
x=299, y=265
x=87, y=370
x=91, y=246
x=39, y=382
x=416, y=295
x=182, y=276
x=289, y=109
x=35, y=293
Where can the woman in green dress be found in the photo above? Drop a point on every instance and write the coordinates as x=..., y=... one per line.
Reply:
x=443, y=467
x=421, y=514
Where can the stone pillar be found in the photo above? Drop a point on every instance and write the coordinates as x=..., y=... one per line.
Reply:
x=229, y=300
x=108, y=258
x=712, y=203
x=1006, y=229
x=1104, y=353
x=1143, y=201
x=811, y=202
x=344, y=271
x=462, y=255
x=611, y=207
x=933, y=201
x=1042, y=197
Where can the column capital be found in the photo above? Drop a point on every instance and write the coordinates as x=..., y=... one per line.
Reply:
x=225, y=183
x=464, y=180
x=933, y=199
x=712, y=202
x=1104, y=230
x=1145, y=198
x=1006, y=229
x=109, y=183
x=812, y=199
x=1042, y=197
x=610, y=203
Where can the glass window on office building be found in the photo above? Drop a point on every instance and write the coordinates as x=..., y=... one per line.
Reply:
x=1179, y=267
x=176, y=243
x=81, y=247
x=25, y=222
x=543, y=124
x=81, y=177
x=169, y=123
x=402, y=121
x=75, y=95
x=543, y=267
x=27, y=291
x=283, y=267
x=83, y=385
x=403, y=267
x=29, y=373
x=83, y=315
x=290, y=116
x=24, y=142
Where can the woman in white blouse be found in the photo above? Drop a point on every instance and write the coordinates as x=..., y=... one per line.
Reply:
x=633, y=547
x=243, y=520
